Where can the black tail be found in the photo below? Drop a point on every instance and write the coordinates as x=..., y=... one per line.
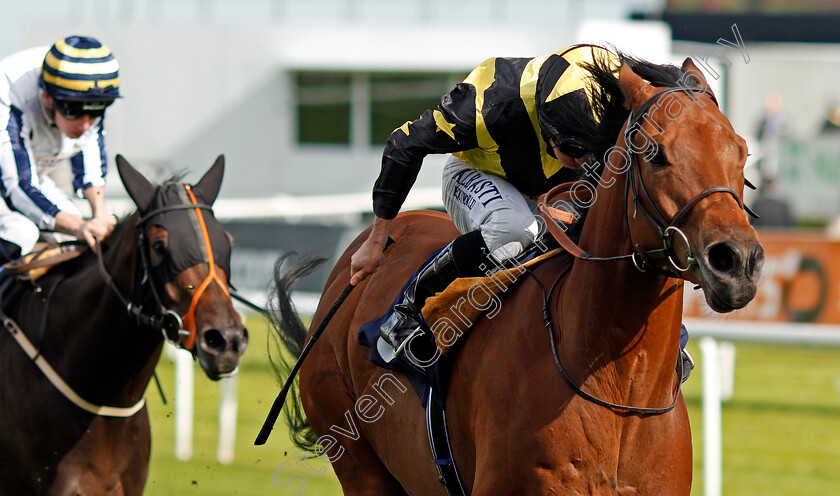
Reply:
x=290, y=334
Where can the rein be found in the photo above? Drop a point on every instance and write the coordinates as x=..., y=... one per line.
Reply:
x=641, y=258
x=168, y=321
x=549, y=324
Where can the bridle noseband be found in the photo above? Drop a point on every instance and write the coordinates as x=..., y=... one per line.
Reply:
x=641, y=257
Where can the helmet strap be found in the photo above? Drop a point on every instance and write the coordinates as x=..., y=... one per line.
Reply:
x=48, y=110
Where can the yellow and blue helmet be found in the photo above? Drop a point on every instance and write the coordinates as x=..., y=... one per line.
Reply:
x=80, y=68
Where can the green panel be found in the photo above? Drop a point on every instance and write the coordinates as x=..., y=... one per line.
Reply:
x=396, y=98
x=323, y=107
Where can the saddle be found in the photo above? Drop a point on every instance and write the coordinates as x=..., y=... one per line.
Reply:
x=451, y=313
x=45, y=256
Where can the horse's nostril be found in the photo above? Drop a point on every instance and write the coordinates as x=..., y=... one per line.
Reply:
x=213, y=340
x=240, y=344
x=723, y=258
x=755, y=261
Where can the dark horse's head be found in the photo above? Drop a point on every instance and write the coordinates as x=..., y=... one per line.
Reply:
x=186, y=252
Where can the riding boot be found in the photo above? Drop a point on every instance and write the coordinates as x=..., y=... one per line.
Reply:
x=406, y=322
x=686, y=362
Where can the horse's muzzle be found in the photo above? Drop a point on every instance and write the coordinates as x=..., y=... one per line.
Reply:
x=729, y=272
x=219, y=350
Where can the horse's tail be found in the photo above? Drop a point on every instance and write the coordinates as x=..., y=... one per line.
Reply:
x=290, y=334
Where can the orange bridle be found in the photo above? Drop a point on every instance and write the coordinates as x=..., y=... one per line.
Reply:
x=188, y=321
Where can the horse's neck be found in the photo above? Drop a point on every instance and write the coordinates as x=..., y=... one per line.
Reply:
x=614, y=317
x=124, y=353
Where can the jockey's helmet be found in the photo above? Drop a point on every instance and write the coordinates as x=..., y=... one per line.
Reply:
x=565, y=107
x=81, y=69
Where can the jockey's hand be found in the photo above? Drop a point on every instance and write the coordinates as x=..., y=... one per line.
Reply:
x=369, y=256
x=97, y=228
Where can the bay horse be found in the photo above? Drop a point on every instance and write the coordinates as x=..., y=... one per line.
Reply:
x=617, y=422
x=98, y=322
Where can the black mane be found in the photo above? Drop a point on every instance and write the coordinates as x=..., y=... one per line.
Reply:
x=608, y=100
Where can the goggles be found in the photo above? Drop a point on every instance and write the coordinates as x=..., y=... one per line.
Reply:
x=73, y=110
x=571, y=149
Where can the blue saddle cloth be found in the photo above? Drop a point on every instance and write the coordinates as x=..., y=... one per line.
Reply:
x=436, y=374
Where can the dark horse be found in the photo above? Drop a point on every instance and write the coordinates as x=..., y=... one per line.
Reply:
x=97, y=321
x=618, y=425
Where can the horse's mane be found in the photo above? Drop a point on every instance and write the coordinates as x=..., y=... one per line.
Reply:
x=177, y=177
x=607, y=102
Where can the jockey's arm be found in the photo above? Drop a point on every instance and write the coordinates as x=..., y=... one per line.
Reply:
x=98, y=227
x=86, y=230
x=96, y=197
x=448, y=128
x=368, y=257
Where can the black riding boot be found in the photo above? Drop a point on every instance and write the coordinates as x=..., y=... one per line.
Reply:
x=406, y=321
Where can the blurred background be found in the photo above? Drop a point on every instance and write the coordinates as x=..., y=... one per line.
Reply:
x=300, y=96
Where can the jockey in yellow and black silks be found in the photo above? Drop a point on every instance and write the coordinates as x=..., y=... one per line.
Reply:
x=511, y=127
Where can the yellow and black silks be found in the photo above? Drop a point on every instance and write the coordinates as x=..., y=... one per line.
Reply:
x=496, y=121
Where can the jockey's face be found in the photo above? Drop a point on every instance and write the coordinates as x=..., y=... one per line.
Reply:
x=71, y=128
x=566, y=160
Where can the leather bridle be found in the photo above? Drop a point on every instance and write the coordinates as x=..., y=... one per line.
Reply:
x=666, y=229
x=182, y=332
x=642, y=258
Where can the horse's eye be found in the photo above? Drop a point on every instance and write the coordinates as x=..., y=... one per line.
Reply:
x=159, y=247
x=657, y=158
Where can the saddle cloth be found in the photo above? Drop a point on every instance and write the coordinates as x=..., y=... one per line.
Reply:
x=451, y=313
x=476, y=295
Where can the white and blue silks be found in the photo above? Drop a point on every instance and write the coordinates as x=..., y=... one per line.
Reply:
x=31, y=146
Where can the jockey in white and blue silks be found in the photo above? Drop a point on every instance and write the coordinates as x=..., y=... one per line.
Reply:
x=52, y=105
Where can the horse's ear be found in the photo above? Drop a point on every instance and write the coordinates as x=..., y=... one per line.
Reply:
x=138, y=187
x=209, y=185
x=636, y=91
x=692, y=70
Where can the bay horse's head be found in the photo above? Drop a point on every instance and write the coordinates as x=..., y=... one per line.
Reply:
x=685, y=168
x=186, y=253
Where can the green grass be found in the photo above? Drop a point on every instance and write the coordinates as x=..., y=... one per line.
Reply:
x=781, y=431
x=252, y=473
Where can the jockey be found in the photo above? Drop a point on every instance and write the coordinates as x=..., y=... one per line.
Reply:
x=511, y=127
x=52, y=107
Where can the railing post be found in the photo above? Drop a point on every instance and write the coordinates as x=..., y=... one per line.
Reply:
x=228, y=391
x=712, y=432
x=184, y=387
